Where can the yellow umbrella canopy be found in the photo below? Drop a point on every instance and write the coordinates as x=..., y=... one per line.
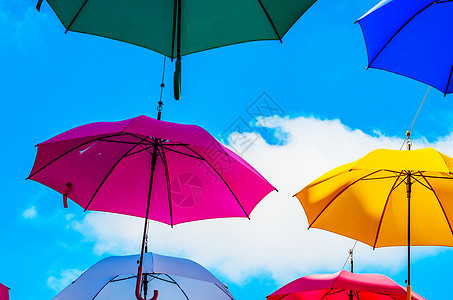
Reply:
x=367, y=200
x=386, y=198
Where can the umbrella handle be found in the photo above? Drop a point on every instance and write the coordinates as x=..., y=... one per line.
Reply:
x=177, y=80
x=139, y=283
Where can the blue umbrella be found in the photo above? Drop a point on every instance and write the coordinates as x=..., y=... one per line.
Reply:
x=412, y=38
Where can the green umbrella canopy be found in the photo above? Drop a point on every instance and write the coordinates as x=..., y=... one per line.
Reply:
x=204, y=24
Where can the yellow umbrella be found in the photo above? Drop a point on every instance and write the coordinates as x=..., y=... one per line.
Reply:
x=382, y=197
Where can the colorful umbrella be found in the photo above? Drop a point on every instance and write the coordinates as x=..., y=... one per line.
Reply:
x=387, y=198
x=343, y=285
x=175, y=279
x=143, y=167
x=4, y=292
x=177, y=28
x=412, y=38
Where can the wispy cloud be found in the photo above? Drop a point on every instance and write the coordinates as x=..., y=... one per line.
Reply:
x=20, y=29
x=30, y=213
x=276, y=241
x=59, y=282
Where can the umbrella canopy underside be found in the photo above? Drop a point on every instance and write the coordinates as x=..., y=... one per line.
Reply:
x=204, y=24
x=174, y=278
x=111, y=171
x=367, y=203
x=416, y=40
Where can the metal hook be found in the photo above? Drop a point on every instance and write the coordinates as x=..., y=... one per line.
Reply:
x=409, y=141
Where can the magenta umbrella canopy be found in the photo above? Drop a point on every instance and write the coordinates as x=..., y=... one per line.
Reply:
x=4, y=292
x=107, y=166
x=341, y=286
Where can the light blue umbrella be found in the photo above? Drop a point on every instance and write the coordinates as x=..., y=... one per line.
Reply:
x=413, y=38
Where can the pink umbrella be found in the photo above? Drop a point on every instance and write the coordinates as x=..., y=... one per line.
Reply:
x=4, y=292
x=149, y=168
x=342, y=285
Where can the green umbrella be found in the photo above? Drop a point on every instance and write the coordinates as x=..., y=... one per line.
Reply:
x=180, y=27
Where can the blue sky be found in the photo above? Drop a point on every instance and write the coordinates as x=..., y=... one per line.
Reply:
x=332, y=110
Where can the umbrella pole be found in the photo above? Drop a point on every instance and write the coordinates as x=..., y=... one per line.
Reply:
x=140, y=267
x=177, y=74
x=408, y=186
x=351, y=252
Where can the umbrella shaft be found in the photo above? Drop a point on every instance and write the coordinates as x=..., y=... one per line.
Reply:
x=408, y=186
x=153, y=168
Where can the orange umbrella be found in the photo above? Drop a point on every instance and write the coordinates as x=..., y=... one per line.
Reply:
x=387, y=198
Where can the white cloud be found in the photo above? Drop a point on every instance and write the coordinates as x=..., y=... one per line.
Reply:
x=30, y=213
x=57, y=283
x=276, y=241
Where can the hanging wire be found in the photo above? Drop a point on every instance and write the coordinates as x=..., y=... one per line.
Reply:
x=162, y=85
x=349, y=255
x=408, y=133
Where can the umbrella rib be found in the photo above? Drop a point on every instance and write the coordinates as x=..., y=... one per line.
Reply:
x=408, y=21
x=270, y=21
x=154, y=276
x=377, y=178
x=182, y=153
x=426, y=186
x=110, y=172
x=437, y=177
x=337, y=195
x=80, y=9
x=141, y=150
x=448, y=83
x=121, y=279
x=123, y=142
x=331, y=292
x=69, y=151
x=224, y=181
x=164, y=160
x=328, y=292
x=178, y=286
x=223, y=291
x=435, y=194
x=395, y=185
x=111, y=280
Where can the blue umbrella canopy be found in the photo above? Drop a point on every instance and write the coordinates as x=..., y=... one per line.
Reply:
x=412, y=38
